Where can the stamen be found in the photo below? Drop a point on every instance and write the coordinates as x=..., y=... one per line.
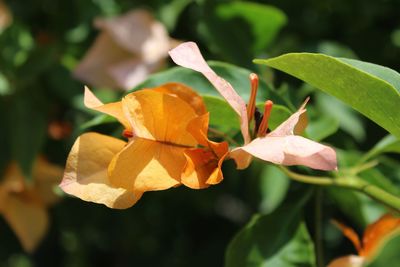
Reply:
x=252, y=101
x=262, y=130
x=127, y=133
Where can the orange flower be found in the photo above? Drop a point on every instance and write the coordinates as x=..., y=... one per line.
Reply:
x=24, y=204
x=128, y=49
x=373, y=240
x=167, y=146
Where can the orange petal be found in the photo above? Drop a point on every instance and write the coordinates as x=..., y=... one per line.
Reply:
x=348, y=261
x=203, y=168
x=94, y=67
x=29, y=220
x=113, y=109
x=159, y=116
x=350, y=234
x=86, y=172
x=378, y=233
x=146, y=165
x=185, y=93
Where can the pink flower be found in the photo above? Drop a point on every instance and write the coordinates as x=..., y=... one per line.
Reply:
x=127, y=50
x=281, y=146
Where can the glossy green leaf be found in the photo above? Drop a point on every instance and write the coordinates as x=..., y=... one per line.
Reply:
x=277, y=239
x=221, y=114
x=371, y=89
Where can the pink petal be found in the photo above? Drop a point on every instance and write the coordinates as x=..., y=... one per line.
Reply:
x=130, y=73
x=290, y=150
x=188, y=55
x=138, y=32
x=288, y=127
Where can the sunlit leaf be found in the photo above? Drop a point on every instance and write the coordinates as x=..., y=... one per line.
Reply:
x=371, y=89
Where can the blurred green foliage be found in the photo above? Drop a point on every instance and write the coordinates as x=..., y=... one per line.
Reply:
x=183, y=227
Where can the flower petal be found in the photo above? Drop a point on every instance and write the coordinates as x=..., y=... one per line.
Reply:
x=378, y=233
x=94, y=67
x=296, y=123
x=86, y=172
x=159, y=116
x=348, y=261
x=350, y=234
x=188, y=55
x=185, y=93
x=29, y=221
x=289, y=150
x=129, y=73
x=138, y=32
x=113, y=109
x=147, y=165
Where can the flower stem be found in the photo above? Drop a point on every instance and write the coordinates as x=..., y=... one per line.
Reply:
x=350, y=182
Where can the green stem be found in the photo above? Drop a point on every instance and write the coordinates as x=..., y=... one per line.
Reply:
x=351, y=182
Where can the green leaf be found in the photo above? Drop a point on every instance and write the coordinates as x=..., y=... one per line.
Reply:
x=389, y=254
x=321, y=128
x=235, y=31
x=221, y=114
x=279, y=239
x=389, y=144
x=371, y=89
x=274, y=185
x=349, y=120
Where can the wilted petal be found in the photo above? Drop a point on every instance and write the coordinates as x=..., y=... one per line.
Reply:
x=113, y=109
x=147, y=165
x=103, y=54
x=29, y=220
x=159, y=116
x=290, y=150
x=348, y=261
x=86, y=174
x=185, y=93
x=376, y=235
x=139, y=33
x=188, y=55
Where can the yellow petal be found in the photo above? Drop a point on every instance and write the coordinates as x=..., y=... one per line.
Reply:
x=86, y=172
x=186, y=94
x=159, y=116
x=147, y=165
x=29, y=221
x=112, y=109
